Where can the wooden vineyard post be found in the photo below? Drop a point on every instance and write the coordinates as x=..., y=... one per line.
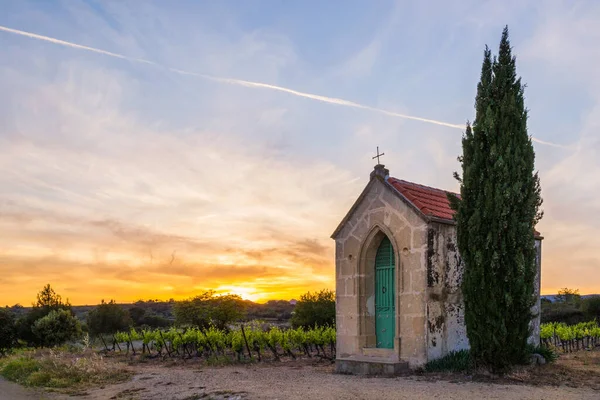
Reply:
x=165, y=343
x=131, y=342
x=246, y=341
x=105, y=346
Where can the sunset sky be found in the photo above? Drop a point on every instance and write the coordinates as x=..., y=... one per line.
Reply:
x=196, y=145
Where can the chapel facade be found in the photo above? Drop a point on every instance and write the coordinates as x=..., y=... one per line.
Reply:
x=398, y=277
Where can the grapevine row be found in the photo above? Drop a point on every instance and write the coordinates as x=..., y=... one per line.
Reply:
x=570, y=338
x=241, y=342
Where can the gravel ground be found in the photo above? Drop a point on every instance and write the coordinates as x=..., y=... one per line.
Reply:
x=305, y=381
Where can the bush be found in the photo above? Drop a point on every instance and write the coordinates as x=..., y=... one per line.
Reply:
x=562, y=312
x=56, y=328
x=454, y=361
x=8, y=330
x=316, y=309
x=61, y=369
x=108, y=318
x=18, y=369
x=549, y=354
x=47, y=301
x=591, y=307
x=207, y=309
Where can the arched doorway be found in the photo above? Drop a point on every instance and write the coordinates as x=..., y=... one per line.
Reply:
x=385, y=294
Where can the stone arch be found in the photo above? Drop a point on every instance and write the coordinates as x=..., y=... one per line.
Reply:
x=366, y=284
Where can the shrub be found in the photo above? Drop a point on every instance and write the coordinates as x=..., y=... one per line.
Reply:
x=591, y=307
x=549, y=354
x=19, y=368
x=61, y=369
x=47, y=301
x=562, y=312
x=316, y=309
x=108, y=318
x=454, y=361
x=8, y=330
x=56, y=328
x=208, y=309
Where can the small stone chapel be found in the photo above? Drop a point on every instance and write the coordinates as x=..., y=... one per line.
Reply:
x=398, y=277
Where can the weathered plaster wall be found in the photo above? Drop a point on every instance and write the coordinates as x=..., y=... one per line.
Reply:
x=381, y=212
x=445, y=308
x=537, y=308
x=446, y=328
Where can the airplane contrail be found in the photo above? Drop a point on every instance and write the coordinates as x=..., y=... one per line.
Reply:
x=240, y=82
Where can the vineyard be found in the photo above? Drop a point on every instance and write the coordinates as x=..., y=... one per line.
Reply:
x=246, y=342
x=570, y=338
x=240, y=343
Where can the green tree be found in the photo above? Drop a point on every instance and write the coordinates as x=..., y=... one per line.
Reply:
x=108, y=318
x=47, y=301
x=207, y=308
x=315, y=309
x=56, y=328
x=496, y=214
x=591, y=307
x=569, y=296
x=8, y=330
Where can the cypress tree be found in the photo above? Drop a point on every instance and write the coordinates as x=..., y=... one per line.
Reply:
x=496, y=214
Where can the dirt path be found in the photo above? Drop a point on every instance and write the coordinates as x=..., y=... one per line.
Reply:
x=12, y=391
x=305, y=382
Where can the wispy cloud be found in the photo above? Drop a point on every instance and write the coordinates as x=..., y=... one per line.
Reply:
x=259, y=85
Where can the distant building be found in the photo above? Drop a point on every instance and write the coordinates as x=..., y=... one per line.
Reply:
x=293, y=302
x=398, y=277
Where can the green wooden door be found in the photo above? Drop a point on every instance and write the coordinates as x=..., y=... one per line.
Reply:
x=385, y=294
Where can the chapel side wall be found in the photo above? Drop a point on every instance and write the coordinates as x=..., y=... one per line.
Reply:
x=381, y=210
x=537, y=308
x=446, y=330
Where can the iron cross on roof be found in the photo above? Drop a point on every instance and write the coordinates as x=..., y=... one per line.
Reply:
x=378, y=155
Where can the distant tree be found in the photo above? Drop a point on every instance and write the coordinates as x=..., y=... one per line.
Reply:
x=591, y=307
x=155, y=321
x=496, y=215
x=47, y=301
x=137, y=315
x=108, y=318
x=47, y=298
x=206, y=309
x=56, y=328
x=569, y=296
x=315, y=309
x=8, y=330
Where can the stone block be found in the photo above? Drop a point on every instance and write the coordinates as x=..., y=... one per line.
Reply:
x=351, y=248
x=419, y=237
x=352, y=366
x=347, y=268
x=350, y=287
x=376, y=217
x=403, y=237
x=418, y=280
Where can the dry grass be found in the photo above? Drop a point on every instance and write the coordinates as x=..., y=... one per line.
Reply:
x=61, y=369
x=579, y=370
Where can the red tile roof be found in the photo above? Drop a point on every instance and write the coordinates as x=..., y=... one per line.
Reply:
x=431, y=201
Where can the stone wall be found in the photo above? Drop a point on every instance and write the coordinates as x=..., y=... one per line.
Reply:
x=381, y=212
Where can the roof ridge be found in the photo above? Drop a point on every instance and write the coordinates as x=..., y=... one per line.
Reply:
x=423, y=186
